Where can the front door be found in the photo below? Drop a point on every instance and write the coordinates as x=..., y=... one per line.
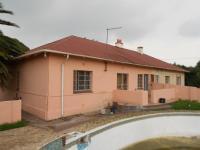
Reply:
x=146, y=82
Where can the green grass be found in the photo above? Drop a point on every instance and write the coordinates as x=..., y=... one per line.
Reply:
x=186, y=105
x=8, y=126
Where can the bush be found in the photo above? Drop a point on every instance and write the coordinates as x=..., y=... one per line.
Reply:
x=186, y=105
x=8, y=126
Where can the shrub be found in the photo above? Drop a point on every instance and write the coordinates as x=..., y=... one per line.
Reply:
x=186, y=105
x=8, y=126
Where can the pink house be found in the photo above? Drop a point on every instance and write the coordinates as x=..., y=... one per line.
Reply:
x=75, y=75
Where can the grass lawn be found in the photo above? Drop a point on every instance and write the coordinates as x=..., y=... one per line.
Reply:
x=8, y=126
x=186, y=105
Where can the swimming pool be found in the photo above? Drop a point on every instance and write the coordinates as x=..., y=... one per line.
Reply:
x=120, y=134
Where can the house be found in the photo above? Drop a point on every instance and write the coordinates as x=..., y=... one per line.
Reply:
x=75, y=75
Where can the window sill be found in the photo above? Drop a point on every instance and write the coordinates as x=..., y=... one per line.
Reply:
x=85, y=91
x=123, y=89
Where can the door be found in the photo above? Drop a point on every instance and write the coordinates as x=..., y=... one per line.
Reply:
x=146, y=82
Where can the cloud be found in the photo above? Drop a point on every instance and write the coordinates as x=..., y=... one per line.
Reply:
x=48, y=18
x=190, y=28
x=165, y=28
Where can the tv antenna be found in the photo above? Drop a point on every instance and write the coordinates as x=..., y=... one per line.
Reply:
x=107, y=32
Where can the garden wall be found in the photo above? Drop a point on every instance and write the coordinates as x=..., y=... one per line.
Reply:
x=138, y=97
x=168, y=94
x=174, y=92
x=10, y=111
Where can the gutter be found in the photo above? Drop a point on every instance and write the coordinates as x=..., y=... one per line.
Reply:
x=62, y=85
x=62, y=89
x=91, y=57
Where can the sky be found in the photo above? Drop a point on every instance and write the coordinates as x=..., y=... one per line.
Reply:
x=167, y=29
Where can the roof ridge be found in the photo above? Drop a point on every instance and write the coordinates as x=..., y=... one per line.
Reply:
x=106, y=44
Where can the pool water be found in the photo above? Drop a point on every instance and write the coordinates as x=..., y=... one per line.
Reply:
x=167, y=143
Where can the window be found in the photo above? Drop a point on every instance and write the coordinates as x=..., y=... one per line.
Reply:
x=82, y=81
x=122, y=81
x=167, y=79
x=152, y=78
x=140, y=81
x=178, y=80
x=156, y=78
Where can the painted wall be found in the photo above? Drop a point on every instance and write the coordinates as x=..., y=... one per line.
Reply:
x=103, y=84
x=33, y=85
x=40, y=85
x=168, y=94
x=10, y=111
x=173, y=92
x=138, y=97
x=172, y=75
x=194, y=93
x=188, y=92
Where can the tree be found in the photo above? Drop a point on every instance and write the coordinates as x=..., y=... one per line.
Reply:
x=4, y=22
x=196, y=73
x=9, y=49
x=192, y=78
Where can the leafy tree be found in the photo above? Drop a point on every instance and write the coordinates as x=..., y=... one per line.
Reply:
x=196, y=73
x=9, y=48
x=192, y=78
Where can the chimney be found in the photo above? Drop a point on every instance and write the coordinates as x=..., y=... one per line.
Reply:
x=140, y=49
x=119, y=43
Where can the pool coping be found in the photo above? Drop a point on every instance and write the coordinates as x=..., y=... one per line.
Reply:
x=74, y=140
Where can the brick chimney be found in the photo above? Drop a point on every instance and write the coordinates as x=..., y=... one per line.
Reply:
x=119, y=43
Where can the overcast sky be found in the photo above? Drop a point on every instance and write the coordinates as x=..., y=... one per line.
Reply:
x=167, y=29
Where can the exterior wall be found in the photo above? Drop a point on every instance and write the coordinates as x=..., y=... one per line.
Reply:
x=40, y=85
x=168, y=94
x=103, y=84
x=172, y=75
x=188, y=92
x=138, y=97
x=158, y=86
x=182, y=92
x=194, y=93
x=173, y=92
x=33, y=85
x=10, y=111
x=6, y=94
